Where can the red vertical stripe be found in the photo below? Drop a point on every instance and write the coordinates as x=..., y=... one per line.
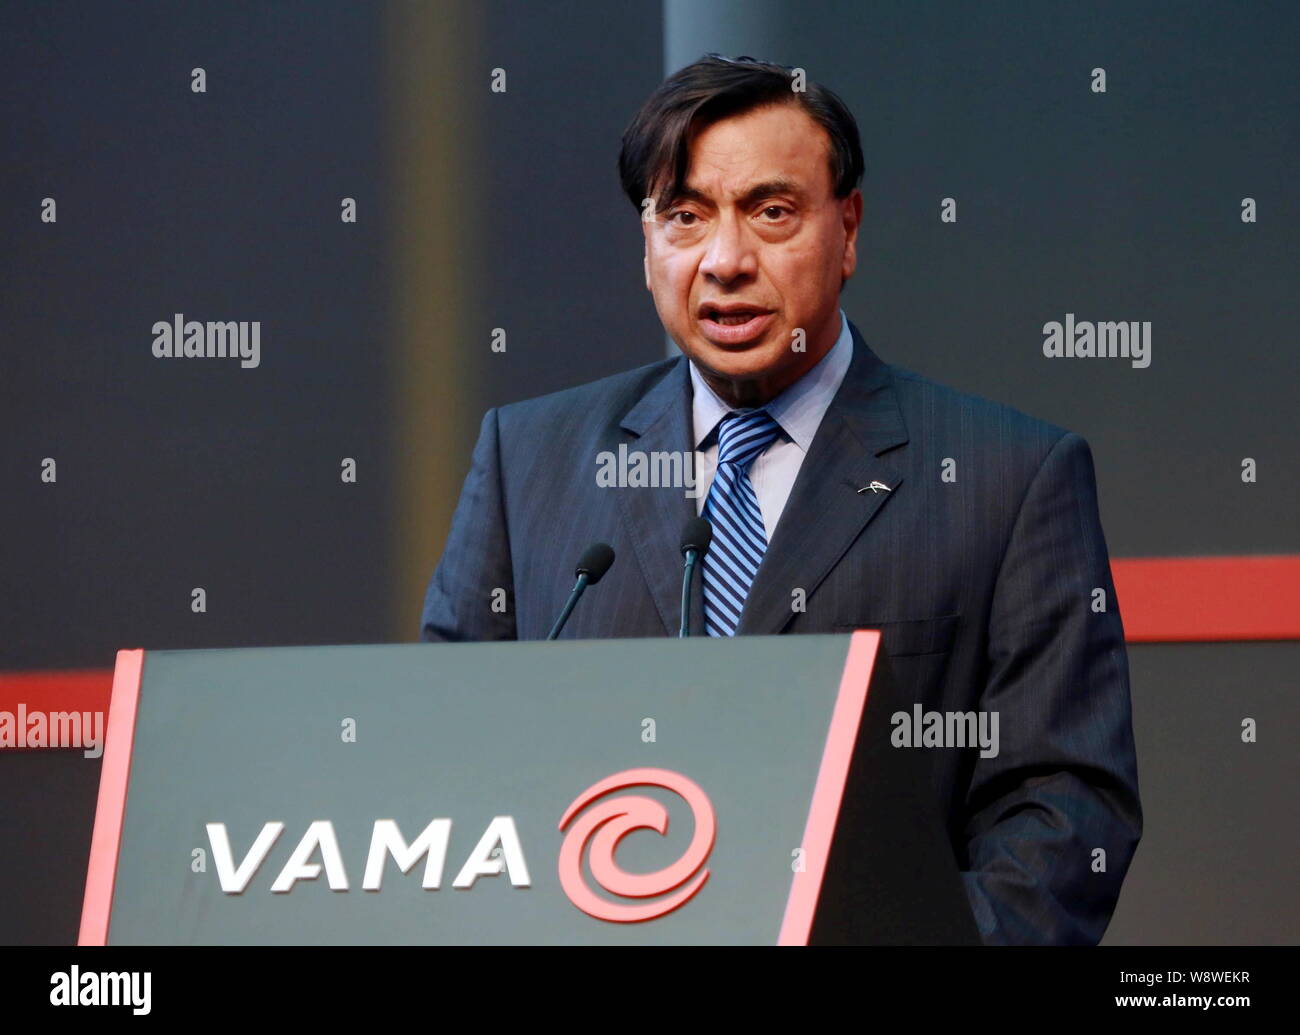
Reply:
x=111, y=806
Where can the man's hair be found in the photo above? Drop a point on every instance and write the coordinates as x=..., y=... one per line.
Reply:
x=656, y=144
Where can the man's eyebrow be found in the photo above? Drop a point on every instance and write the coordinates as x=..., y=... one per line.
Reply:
x=769, y=187
x=755, y=193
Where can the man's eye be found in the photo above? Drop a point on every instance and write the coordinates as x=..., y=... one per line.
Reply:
x=780, y=211
x=673, y=217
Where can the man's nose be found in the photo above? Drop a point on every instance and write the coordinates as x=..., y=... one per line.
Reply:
x=730, y=253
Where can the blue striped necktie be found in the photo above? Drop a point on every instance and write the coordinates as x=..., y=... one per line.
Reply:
x=739, y=540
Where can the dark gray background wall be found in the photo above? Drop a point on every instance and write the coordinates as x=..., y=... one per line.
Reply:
x=1119, y=206
x=174, y=474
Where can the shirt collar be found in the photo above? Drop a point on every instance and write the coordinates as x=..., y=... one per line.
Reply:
x=799, y=409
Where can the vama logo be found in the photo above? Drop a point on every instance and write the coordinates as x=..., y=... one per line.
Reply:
x=607, y=822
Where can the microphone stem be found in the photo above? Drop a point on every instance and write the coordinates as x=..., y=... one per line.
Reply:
x=691, y=557
x=578, y=587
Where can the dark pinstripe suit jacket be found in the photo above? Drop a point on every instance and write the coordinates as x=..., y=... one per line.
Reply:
x=983, y=586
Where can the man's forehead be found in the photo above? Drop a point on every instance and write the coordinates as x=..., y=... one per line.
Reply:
x=734, y=158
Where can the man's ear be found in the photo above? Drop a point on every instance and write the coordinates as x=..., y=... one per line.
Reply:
x=852, y=220
x=645, y=263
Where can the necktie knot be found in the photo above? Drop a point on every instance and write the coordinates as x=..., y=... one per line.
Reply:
x=742, y=436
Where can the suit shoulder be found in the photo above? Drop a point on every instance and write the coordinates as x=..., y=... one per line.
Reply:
x=613, y=395
x=928, y=402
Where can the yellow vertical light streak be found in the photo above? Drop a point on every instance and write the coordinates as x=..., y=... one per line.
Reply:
x=431, y=83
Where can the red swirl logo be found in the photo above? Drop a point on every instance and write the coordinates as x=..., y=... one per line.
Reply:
x=606, y=823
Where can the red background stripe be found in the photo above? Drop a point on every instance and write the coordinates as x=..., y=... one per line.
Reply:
x=81, y=690
x=1174, y=599
x=1162, y=599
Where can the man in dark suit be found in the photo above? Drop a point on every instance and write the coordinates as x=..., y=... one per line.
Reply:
x=844, y=493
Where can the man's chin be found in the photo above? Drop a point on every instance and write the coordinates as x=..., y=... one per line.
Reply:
x=746, y=369
x=735, y=364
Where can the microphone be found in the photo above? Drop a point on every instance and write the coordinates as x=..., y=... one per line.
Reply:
x=696, y=537
x=592, y=565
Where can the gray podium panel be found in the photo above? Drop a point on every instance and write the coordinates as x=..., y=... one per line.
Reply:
x=499, y=740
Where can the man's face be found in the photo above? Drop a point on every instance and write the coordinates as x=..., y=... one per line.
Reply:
x=760, y=232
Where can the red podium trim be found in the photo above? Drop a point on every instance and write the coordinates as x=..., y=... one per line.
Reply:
x=850, y=705
x=111, y=805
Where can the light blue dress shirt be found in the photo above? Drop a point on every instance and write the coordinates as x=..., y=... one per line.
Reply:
x=799, y=410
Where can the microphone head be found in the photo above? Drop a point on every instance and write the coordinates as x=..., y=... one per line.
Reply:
x=697, y=535
x=594, y=562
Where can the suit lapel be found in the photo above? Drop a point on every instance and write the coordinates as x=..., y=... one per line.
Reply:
x=825, y=512
x=655, y=517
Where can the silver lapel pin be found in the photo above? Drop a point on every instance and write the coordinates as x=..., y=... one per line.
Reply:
x=876, y=487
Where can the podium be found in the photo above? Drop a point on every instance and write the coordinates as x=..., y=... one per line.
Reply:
x=611, y=792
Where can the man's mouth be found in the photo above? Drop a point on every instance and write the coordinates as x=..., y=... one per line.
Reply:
x=732, y=319
x=733, y=324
